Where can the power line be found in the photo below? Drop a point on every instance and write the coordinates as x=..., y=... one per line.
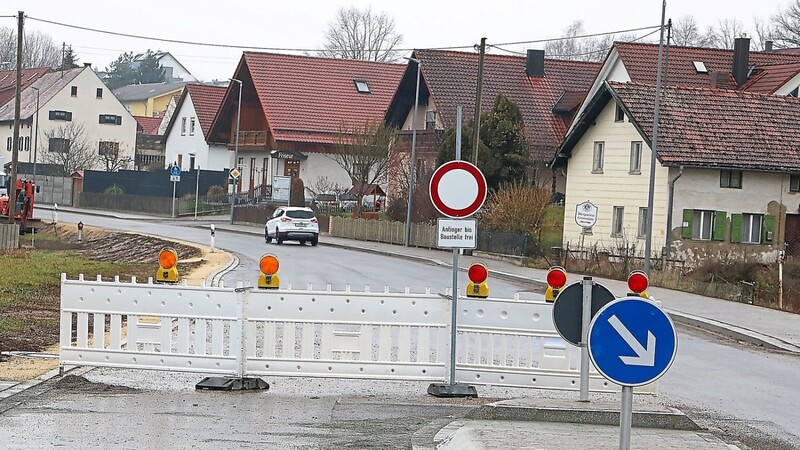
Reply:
x=572, y=55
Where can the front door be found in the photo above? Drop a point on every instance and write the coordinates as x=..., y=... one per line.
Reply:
x=793, y=235
x=291, y=168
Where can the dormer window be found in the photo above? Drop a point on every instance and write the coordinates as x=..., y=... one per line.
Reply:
x=361, y=86
x=700, y=66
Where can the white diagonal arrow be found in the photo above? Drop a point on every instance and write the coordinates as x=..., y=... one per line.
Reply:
x=644, y=356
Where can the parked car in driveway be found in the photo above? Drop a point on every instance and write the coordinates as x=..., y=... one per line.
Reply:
x=292, y=223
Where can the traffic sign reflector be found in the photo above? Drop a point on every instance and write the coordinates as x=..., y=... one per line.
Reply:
x=269, y=268
x=167, y=262
x=556, y=279
x=477, y=287
x=638, y=282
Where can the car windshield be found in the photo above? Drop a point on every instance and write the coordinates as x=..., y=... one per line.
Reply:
x=300, y=214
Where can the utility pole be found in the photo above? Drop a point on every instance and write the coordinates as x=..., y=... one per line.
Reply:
x=476, y=132
x=15, y=150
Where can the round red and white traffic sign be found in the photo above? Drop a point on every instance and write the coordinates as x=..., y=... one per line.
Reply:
x=458, y=189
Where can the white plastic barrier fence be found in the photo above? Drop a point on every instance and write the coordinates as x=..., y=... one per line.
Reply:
x=316, y=333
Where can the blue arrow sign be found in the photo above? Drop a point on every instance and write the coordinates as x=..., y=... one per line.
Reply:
x=632, y=342
x=175, y=170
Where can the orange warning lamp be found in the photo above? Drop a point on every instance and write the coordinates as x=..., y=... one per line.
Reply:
x=477, y=287
x=167, y=266
x=556, y=279
x=638, y=282
x=269, y=268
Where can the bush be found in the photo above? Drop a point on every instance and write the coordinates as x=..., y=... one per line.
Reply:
x=216, y=193
x=114, y=189
x=516, y=207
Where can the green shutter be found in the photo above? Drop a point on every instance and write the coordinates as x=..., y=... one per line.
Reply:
x=720, y=222
x=736, y=228
x=768, y=233
x=686, y=232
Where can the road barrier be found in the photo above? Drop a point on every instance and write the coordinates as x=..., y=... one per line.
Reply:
x=245, y=331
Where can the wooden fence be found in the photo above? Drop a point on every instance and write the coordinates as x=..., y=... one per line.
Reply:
x=422, y=235
x=9, y=236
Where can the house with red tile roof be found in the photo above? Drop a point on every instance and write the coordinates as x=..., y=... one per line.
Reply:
x=63, y=114
x=727, y=173
x=547, y=91
x=187, y=135
x=293, y=109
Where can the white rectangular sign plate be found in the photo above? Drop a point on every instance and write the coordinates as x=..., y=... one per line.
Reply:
x=456, y=233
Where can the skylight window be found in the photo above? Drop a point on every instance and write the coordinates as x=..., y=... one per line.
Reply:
x=361, y=86
x=700, y=66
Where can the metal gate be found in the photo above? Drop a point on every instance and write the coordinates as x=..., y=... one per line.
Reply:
x=316, y=333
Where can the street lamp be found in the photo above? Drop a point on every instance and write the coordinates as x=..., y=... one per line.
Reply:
x=236, y=146
x=411, y=181
x=36, y=134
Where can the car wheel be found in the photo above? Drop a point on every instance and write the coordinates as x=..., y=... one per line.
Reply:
x=266, y=236
x=278, y=239
x=302, y=242
x=314, y=241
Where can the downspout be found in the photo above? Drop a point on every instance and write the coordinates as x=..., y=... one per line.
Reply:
x=669, y=215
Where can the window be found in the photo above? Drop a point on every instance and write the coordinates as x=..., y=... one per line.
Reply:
x=183, y=126
x=730, y=179
x=58, y=145
x=361, y=86
x=99, y=92
x=619, y=114
x=636, y=157
x=643, y=229
x=61, y=115
x=700, y=67
x=430, y=120
x=191, y=161
x=617, y=221
x=74, y=91
x=704, y=225
x=111, y=119
x=27, y=146
x=191, y=126
x=794, y=182
x=9, y=143
x=751, y=228
x=597, y=161
x=794, y=92
x=110, y=149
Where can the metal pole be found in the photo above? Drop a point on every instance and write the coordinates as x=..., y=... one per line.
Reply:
x=586, y=317
x=36, y=134
x=648, y=241
x=174, y=184
x=476, y=132
x=626, y=418
x=236, y=146
x=196, y=192
x=15, y=141
x=454, y=318
x=412, y=165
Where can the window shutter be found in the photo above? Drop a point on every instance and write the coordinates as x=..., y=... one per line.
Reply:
x=768, y=235
x=69, y=117
x=736, y=228
x=686, y=232
x=118, y=120
x=720, y=221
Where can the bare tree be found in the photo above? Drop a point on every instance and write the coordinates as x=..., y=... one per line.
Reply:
x=366, y=153
x=764, y=31
x=580, y=48
x=67, y=147
x=727, y=31
x=111, y=158
x=786, y=25
x=362, y=34
x=686, y=33
x=323, y=185
x=39, y=49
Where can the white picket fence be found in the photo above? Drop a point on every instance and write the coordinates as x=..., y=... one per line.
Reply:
x=316, y=333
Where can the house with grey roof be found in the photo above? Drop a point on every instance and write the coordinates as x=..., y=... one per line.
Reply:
x=150, y=99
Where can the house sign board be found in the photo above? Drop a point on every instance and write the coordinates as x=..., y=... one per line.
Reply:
x=586, y=214
x=287, y=154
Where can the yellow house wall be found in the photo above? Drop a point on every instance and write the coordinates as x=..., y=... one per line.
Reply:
x=614, y=187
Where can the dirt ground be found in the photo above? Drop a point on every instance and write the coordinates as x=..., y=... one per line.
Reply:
x=197, y=264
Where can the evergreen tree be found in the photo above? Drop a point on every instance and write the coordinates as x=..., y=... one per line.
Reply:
x=149, y=70
x=70, y=59
x=121, y=72
x=503, y=155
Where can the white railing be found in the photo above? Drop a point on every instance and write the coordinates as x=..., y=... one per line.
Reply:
x=316, y=333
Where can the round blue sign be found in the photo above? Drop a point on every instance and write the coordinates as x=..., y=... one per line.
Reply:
x=175, y=170
x=632, y=341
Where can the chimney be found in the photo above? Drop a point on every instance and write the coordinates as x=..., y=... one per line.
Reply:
x=87, y=64
x=719, y=79
x=534, y=64
x=741, y=60
x=768, y=46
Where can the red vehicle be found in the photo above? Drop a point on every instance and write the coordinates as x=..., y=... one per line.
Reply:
x=24, y=194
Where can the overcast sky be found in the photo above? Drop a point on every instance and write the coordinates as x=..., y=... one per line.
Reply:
x=301, y=24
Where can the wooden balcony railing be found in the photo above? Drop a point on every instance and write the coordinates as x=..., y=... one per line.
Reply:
x=249, y=139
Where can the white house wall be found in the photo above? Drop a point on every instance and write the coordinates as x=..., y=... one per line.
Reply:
x=187, y=144
x=319, y=166
x=86, y=109
x=614, y=187
x=422, y=109
x=789, y=86
x=699, y=189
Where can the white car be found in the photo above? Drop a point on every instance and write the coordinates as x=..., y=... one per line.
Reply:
x=292, y=223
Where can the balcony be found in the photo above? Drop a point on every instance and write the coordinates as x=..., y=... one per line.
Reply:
x=250, y=140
